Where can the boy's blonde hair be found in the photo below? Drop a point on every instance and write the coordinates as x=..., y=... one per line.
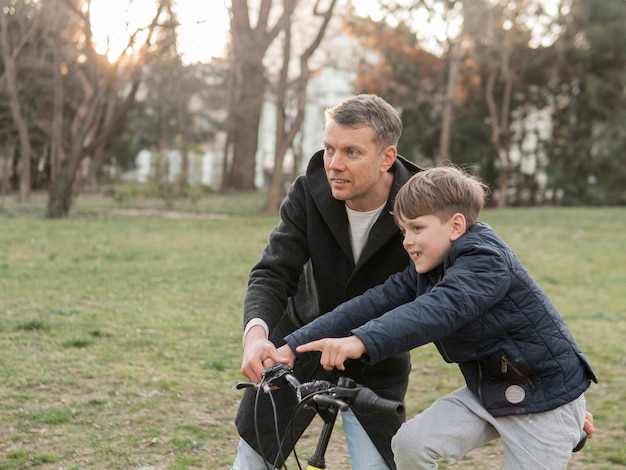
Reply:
x=441, y=191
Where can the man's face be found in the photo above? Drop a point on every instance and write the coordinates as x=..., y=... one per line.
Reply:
x=355, y=167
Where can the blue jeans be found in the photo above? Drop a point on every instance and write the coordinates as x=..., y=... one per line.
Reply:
x=363, y=453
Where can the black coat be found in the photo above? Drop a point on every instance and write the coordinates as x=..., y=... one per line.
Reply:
x=308, y=269
x=484, y=312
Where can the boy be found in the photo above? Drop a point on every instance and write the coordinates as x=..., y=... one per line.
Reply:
x=467, y=292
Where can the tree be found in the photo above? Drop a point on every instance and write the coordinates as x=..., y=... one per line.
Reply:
x=449, y=40
x=95, y=93
x=501, y=48
x=24, y=27
x=587, y=63
x=76, y=99
x=292, y=97
x=250, y=44
x=406, y=76
x=487, y=84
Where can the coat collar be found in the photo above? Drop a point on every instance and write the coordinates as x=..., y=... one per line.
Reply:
x=334, y=212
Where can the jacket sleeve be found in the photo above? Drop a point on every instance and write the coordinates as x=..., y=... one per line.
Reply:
x=275, y=277
x=397, y=290
x=474, y=280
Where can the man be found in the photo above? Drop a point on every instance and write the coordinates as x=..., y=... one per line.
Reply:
x=336, y=238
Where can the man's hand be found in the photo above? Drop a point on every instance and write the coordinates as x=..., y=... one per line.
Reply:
x=335, y=351
x=259, y=353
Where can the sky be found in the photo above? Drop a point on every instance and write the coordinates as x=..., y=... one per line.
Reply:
x=204, y=25
x=202, y=34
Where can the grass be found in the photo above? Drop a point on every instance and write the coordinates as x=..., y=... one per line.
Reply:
x=121, y=335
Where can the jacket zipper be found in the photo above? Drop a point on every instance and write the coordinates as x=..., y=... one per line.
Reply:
x=504, y=367
x=445, y=353
x=480, y=382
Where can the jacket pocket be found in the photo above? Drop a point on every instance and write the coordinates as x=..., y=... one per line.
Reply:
x=504, y=382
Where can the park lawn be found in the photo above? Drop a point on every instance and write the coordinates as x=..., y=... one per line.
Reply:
x=121, y=334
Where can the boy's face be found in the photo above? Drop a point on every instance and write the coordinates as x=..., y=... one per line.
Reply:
x=427, y=239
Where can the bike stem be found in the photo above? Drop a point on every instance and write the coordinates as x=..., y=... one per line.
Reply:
x=317, y=460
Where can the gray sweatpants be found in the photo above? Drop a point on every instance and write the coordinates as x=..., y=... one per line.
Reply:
x=457, y=423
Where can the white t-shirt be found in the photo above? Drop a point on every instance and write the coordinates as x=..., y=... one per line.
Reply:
x=360, y=225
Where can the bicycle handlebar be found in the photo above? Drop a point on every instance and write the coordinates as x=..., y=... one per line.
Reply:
x=346, y=394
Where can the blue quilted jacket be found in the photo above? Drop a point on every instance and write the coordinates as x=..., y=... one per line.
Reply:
x=484, y=312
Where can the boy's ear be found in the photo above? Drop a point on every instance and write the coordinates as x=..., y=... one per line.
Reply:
x=458, y=226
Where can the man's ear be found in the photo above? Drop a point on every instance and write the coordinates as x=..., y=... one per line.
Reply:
x=389, y=156
x=458, y=226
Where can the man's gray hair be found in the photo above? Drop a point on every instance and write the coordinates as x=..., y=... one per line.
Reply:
x=372, y=111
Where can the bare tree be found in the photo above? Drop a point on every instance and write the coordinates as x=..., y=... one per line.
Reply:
x=250, y=44
x=286, y=129
x=500, y=131
x=99, y=98
x=501, y=50
x=27, y=26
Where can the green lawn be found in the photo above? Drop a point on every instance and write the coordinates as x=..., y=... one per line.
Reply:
x=121, y=334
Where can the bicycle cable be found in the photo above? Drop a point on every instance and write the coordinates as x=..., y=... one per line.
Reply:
x=258, y=434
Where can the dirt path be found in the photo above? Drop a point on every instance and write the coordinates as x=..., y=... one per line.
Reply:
x=167, y=214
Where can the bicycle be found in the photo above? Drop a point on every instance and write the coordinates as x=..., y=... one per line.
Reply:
x=327, y=399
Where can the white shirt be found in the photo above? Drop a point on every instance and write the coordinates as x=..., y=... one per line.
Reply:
x=360, y=225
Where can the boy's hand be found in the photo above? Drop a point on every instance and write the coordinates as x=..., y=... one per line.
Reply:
x=589, y=428
x=335, y=351
x=285, y=352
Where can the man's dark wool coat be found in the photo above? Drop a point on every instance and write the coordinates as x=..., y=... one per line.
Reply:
x=307, y=269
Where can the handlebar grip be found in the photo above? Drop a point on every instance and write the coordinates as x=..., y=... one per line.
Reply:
x=366, y=401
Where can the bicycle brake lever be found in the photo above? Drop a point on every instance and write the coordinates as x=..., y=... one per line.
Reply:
x=241, y=385
x=328, y=401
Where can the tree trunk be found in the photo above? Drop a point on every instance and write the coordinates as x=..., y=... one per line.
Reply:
x=6, y=156
x=247, y=114
x=448, y=108
x=230, y=129
x=183, y=179
x=285, y=134
x=249, y=46
x=10, y=73
x=277, y=184
x=500, y=123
